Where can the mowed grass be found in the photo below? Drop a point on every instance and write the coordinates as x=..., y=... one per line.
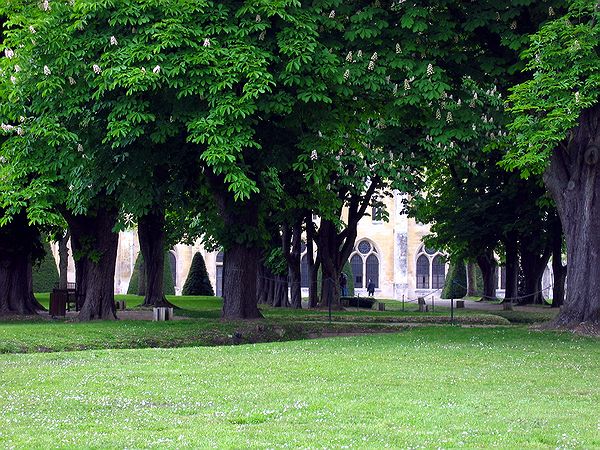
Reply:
x=426, y=387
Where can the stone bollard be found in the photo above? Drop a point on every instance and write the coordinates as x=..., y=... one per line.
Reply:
x=460, y=304
x=120, y=305
x=162, y=313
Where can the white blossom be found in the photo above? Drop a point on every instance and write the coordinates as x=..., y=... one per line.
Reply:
x=261, y=36
x=346, y=75
x=577, y=97
x=332, y=14
x=313, y=155
x=113, y=41
x=71, y=81
x=374, y=56
x=13, y=79
x=349, y=57
x=459, y=102
x=371, y=65
x=513, y=25
x=438, y=114
x=17, y=68
x=429, y=70
x=551, y=11
x=143, y=69
x=32, y=29
x=47, y=71
x=156, y=69
x=395, y=89
x=449, y=118
x=20, y=131
x=406, y=84
x=79, y=148
x=359, y=54
x=206, y=42
x=9, y=53
x=96, y=69
x=257, y=18
x=398, y=48
x=6, y=127
x=46, y=5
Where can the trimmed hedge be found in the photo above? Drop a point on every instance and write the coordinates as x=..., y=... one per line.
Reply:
x=198, y=282
x=45, y=274
x=456, y=281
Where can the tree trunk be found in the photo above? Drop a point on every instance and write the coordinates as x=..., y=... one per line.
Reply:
x=94, y=245
x=512, y=268
x=559, y=271
x=471, y=280
x=151, y=233
x=18, y=242
x=239, y=283
x=63, y=260
x=280, y=292
x=488, y=265
x=313, y=266
x=142, y=278
x=330, y=269
x=573, y=179
x=294, y=267
x=533, y=265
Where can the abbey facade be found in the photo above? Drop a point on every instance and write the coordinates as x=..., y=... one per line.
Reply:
x=390, y=253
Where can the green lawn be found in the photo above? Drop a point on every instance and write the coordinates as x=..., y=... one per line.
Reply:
x=425, y=387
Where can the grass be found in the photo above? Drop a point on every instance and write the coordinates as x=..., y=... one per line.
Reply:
x=425, y=387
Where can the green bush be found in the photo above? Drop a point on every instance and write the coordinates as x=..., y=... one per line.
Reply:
x=45, y=273
x=168, y=283
x=197, y=282
x=350, y=285
x=456, y=281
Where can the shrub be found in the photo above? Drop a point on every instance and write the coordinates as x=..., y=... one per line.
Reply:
x=139, y=288
x=45, y=273
x=197, y=282
x=456, y=281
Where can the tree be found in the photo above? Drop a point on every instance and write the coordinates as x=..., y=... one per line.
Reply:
x=557, y=132
x=137, y=282
x=456, y=281
x=197, y=282
x=45, y=273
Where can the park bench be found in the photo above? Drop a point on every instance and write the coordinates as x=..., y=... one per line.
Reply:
x=62, y=300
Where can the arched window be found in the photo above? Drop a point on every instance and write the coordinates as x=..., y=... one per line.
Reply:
x=173, y=264
x=423, y=272
x=438, y=273
x=365, y=264
x=219, y=274
x=373, y=269
x=304, y=271
x=431, y=269
x=357, y=270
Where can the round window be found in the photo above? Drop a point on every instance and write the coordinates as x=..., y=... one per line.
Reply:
x=364, y=247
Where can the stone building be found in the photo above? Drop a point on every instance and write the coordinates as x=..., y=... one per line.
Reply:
x=391, y=253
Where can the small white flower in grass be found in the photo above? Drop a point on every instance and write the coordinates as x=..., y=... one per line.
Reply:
x=32, y=29
x=206, y=42
x=47, y=71
x=346, y=75
x=113, y=41
x=46, y=5
x=349, y=57
x=17, y=68
x=71, y=81
x=313, y=155
x=97, y=69
x=429, y=70
x=156, y=69
x=332, y=14
x=9, y=53
x=257, y=18
x=371, y=65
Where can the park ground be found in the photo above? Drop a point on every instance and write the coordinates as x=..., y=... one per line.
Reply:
x=396, y=379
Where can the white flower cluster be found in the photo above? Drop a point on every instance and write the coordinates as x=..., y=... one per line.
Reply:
x=332, y=14
x=9, y=53
x=47, y=71
x=17, y=68
x=7, y=128
x=206, y=42
x=513, y=25
x=577, y=97
x=96, y=68
x=261, y=36
x=80, y=148
x=32, y=29
x=438, y=114
x=398, y=48
x=71, y=81
x=346, y=75
x=551, y=11
x=349, y=56
x=257, y=18
x=313, y=155
x=406, y=84
x=449, y=118
x=429, y=70
x=113, y=41
x=371, y=65
x=45, y=5
x=156, y=70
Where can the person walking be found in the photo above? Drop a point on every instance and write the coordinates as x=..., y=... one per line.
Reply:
x=371, y=288
x=344, y=284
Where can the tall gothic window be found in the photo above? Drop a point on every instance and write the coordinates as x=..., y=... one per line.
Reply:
x=431, y=269
x=304, y=271
x=365, y=264
x=173, y=265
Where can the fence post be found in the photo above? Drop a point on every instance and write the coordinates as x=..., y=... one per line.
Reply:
x=402, y=302
x=452, y=311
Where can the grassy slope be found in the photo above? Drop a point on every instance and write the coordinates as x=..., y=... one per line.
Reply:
x=431, y=387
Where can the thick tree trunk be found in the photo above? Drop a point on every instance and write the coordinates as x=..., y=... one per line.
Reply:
x=512, y=268
x=559, y=271
x=573, y=179
x=18, y=241
x=330, y=267
x=94, y=245
x=142, y=279
x=488, y=265
x=533, y=265
x=471, y=280
x=239, y=283
x=151, y=233
x=280, y=292
x=261, y=284
x=63, y=260
x=294, y=267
